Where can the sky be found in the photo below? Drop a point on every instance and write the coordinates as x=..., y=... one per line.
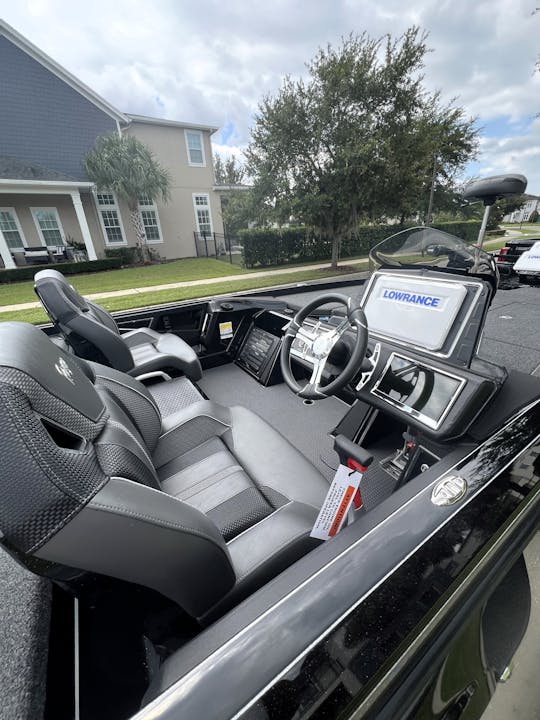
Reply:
x=211, y=61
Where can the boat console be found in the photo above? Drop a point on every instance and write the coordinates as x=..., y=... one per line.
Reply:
x=417, y=387
x=423, y=330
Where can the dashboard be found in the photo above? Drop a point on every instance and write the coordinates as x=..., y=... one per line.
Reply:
x=426, y=381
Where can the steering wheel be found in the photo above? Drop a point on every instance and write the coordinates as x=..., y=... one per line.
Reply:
x=320, y=344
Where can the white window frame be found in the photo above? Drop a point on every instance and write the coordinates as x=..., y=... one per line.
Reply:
x=152, y=206
x=19, y=228
x=200, y=134
x=195, y=206
x=115, y=207
x=54, y=210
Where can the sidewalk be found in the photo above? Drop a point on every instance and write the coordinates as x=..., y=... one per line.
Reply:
x=192, y=283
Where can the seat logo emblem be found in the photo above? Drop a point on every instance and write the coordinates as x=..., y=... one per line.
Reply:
x=448, y=490
x=63, y=368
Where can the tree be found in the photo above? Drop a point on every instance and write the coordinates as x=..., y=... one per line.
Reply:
x=504, y=206
x=228, y=171
x=236, y=210
x=236, y=205
x=124, y=165
x=357, y=139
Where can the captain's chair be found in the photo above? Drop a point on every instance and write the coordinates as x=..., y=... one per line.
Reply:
x=93, y=334
x=203, y=507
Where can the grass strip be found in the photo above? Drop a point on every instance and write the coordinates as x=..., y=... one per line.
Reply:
x=129, y=302
x=177, y=271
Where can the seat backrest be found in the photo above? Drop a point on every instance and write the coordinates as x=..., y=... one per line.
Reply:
x=89, y=329
x=78, y=486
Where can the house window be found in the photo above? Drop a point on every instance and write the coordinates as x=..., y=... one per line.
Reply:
x=110, y=219
x=195, y=150
x=48, y=226
x=150, y=218
x=11, y=229
x=203, y=216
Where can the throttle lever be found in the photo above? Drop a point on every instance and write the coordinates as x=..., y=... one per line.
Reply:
x=354, y=457
x=349, y=450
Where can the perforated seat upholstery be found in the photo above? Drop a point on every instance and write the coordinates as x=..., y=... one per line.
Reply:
x=175, y=394
x=203, y=505
x=93, y=334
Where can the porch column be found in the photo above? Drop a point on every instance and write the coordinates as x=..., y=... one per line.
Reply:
x=85, y=230
x=5, y=253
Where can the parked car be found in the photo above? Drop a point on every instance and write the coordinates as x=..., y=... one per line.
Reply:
x=508, y=256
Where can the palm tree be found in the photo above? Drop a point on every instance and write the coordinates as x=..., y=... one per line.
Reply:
x=124, y=165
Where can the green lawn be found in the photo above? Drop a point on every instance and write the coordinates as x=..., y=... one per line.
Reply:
x=178, y=271
x=163, y=296
x=494, y=245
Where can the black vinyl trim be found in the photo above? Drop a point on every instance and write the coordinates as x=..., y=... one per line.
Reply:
x=403, y=687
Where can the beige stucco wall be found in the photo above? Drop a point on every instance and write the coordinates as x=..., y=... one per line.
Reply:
x=177, y=218
x=68, y=219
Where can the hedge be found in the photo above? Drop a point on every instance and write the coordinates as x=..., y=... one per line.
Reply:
x=280, y=246
x=27, y=272
x=127, y=255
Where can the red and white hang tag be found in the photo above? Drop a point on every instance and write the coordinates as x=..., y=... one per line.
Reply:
x=336, y=505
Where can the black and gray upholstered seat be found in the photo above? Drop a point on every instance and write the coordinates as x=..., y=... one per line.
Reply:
x=203, y=506
x=93, y=334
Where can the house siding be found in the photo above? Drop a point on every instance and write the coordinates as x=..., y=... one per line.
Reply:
x=177, y=217
x=43, y=119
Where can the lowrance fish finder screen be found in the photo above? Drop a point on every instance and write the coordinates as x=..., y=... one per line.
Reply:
x=414, y=310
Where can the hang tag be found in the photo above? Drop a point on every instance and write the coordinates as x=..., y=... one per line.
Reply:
x=337, y=503
x=225, y=330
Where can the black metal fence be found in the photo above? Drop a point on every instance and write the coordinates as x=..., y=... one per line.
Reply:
x=218, y=246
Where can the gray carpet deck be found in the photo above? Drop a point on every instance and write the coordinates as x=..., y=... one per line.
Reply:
x=305, y=426
x=512, y=330
x=25, y=603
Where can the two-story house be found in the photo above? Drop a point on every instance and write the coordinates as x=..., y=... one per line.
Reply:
x=49, y=120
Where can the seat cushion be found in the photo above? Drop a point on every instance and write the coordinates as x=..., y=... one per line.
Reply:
x=270, y=459
x=175, y=394
x=210, y=479
x=260, y=491
x=241, y=471
x=167, y=352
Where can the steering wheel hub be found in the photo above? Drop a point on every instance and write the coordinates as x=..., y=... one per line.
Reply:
x=322, y=346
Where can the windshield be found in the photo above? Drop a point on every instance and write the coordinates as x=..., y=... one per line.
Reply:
x=435, y=249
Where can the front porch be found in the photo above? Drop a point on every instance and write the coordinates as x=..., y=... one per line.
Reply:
x=46, y=221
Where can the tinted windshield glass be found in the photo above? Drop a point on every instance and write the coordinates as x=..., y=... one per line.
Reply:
x=427, y=247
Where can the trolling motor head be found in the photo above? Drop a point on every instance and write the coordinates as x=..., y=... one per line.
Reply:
x=489, y=190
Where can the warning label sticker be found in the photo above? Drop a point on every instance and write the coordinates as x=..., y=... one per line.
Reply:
x=337, y=503
x=225, y=330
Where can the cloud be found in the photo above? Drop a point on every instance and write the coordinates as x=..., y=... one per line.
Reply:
x=211, y=62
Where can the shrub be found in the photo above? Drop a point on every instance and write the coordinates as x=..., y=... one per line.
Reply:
x=128, y=255
x=27, y=272
x=279, y=246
